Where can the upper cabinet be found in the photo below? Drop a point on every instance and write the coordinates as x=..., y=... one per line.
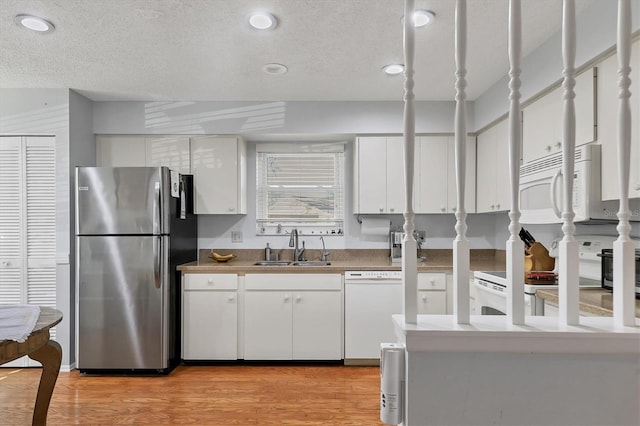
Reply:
x=542, y=120
x=378, y=175
x=169, y=151
x=493, y=178
x=218, y=165
x=120, y=151
x=435, y=174
x=608, y=125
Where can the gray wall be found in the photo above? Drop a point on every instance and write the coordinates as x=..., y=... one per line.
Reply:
x=542, y=69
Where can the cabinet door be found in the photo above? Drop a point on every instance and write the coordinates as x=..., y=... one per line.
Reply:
x=502, y=174
x=432, y=174
x=267, y=325
x=486, y=173
x=215, y=168
x=120, y=151
x=395, y=175
x=169, y=151
x=432, y=302
x=372, y=175
x=210, y=325
x=470, y=177
x=608, y=125
x=317, y=325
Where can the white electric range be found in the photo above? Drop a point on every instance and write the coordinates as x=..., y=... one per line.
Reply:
x=491, y=286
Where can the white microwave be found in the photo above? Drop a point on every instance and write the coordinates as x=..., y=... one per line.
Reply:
x=541, y=190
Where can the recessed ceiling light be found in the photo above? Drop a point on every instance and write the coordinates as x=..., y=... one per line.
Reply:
x=34, y=23
x=423, y=17
x=262, y=21
x=274, y=69
x=393, y=69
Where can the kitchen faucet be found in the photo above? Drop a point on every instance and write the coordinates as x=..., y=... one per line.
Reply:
x=293, y=242
x=325, y=253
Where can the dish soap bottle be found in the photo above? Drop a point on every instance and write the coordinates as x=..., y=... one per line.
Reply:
x=267, y=253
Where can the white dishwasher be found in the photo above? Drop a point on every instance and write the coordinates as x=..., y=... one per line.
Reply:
x=371, y=298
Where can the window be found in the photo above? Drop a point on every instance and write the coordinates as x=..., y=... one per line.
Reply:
x=300, y=187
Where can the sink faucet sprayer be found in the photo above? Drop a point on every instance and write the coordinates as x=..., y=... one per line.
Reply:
x=293, y=242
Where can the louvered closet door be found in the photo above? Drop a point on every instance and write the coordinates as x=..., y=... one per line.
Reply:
x=11, y=265
x=27, y=223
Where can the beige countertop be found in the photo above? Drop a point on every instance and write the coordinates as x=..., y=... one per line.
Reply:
x=596, y=301
x=341, y=261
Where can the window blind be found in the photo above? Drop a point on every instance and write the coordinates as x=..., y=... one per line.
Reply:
x=300, y=189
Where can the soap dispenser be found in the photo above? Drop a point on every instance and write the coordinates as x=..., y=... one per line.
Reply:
x=267, y=253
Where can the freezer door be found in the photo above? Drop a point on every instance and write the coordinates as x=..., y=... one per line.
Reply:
x=122, y=200
x=123, y=302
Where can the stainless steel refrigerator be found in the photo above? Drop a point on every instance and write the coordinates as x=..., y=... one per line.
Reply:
x=134, y=225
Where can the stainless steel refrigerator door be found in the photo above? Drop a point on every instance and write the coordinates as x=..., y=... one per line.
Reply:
x=122, y=200
x=123, y=294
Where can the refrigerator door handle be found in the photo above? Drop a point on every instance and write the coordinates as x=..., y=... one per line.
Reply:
x=157, y=259
x=157, y=211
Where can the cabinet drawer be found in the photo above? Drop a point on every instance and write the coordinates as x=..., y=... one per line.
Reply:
x=293, y=282
x=210, y=282
x=432, y=281
x=432, y=302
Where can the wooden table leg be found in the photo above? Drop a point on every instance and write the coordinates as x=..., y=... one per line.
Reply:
x=50, y=356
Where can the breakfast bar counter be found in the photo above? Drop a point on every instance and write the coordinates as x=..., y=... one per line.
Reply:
x=593, y=301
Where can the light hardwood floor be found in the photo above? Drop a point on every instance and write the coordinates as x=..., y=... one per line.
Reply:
x=202, y=395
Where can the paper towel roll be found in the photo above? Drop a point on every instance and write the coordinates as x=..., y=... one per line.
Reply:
x=374, y=226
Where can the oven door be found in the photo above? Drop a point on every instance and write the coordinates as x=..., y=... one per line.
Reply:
x=491, y=299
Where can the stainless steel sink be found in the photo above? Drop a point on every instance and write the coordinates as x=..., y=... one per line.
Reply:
x=272, y=263
x=311, y=263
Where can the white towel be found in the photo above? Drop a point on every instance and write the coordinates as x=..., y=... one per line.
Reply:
x=17, y=321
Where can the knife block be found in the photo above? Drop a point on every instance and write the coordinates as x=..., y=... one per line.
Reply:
x=537, y=259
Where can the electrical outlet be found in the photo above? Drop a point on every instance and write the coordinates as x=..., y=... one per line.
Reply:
x=236, y=236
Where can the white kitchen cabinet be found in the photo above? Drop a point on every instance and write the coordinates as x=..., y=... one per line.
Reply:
x=435, y=188
x=210, y=317
x=379, y=175
x=542, y=120
x=492, y=174
x=168, y=151
x=608, y=125
x=293, y=316
x=432, y=293
x=218, y=165
x=120, y=151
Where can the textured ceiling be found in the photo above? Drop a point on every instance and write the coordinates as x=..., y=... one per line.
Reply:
x=204, y=50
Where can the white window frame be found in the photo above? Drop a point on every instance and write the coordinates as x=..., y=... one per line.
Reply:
x=310, y=226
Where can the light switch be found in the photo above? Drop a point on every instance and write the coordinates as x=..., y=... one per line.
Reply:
x=236, y=236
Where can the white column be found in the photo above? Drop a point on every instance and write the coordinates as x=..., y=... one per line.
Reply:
x=623, y=247
x=409, y=247
x=515, y=246
x=568, y=247
x=461, y=244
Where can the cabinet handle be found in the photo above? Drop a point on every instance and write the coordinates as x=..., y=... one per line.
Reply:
x=231, y=298
x=392, y=209
x=381, y=210
x=498, y=206
x=298, y=299
x=424, y=298
x=637, y=186
x=231, y=209
x=443, y=209
x=433, y=282
x=5, y=263
x=286, y=298
x=210, y=281
x=547, y=148
x=492, y=206
x=454, y=208
x=558, y=145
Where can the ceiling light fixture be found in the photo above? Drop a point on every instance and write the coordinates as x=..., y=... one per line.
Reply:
x=393, y=69
x=274, y=69
x=423, y=17
x=34, y=23
x=263, y=21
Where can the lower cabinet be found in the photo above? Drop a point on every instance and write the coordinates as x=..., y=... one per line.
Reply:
x=293, y=316
x=210, y=317
x=432, y=293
